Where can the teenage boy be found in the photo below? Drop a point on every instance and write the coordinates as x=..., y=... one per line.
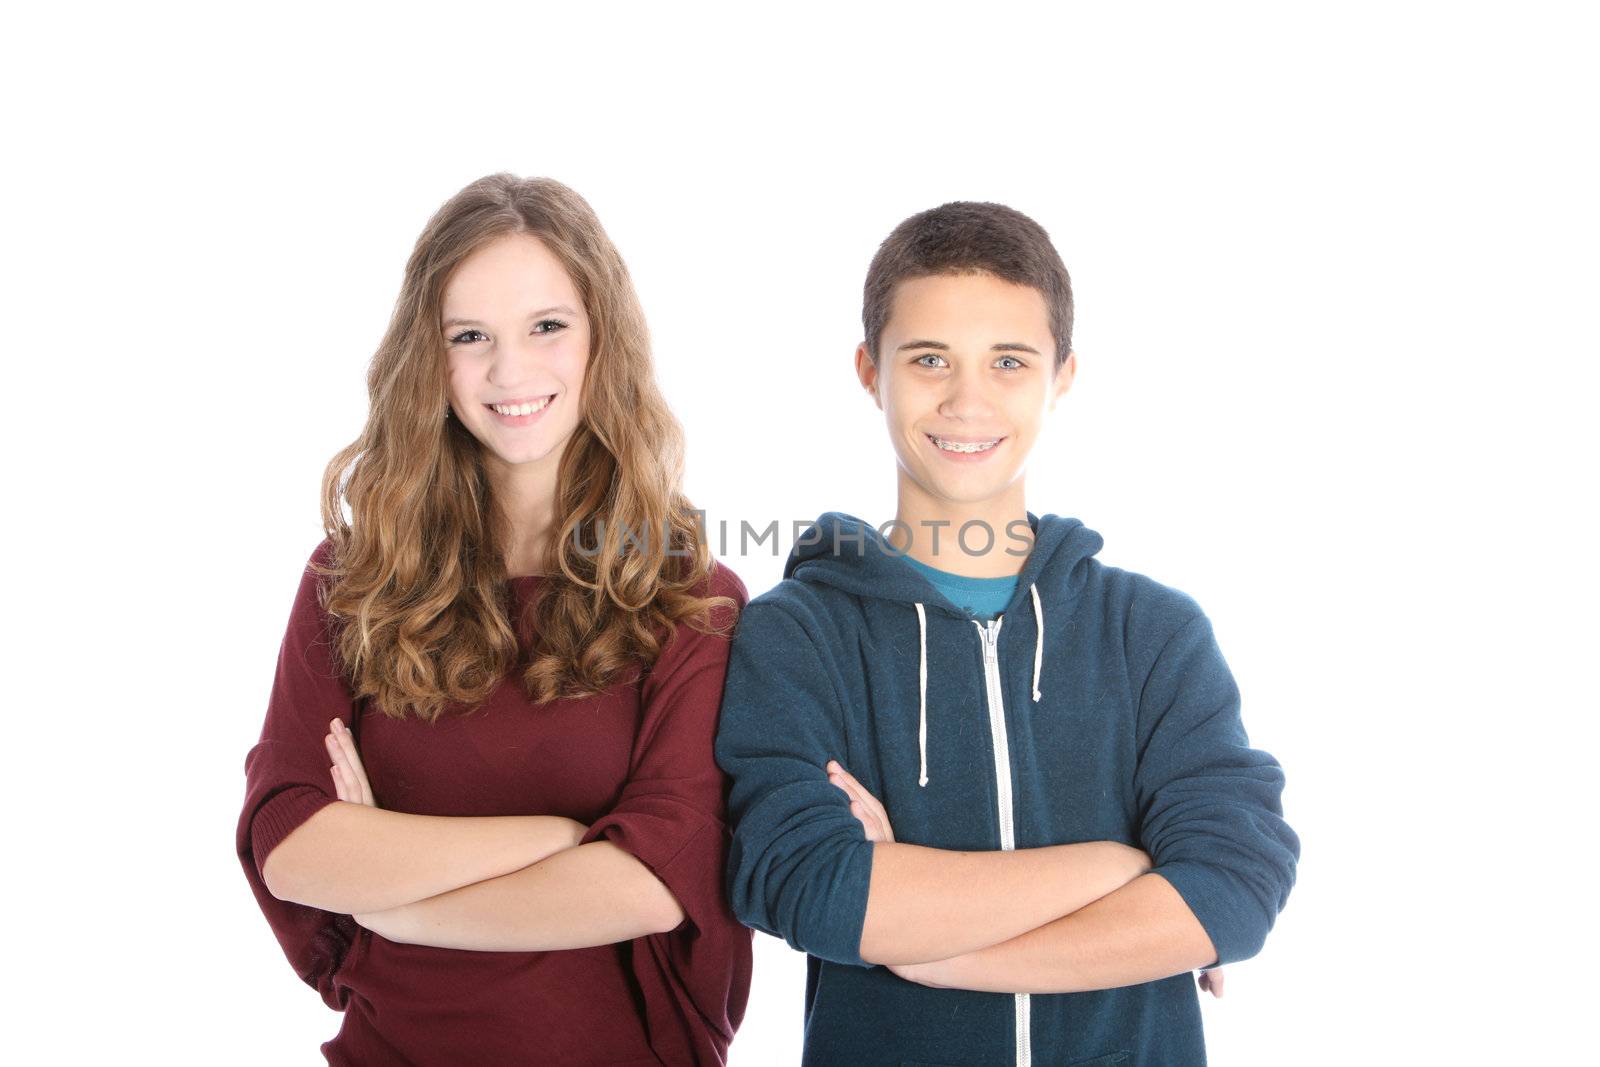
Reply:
x=998, y=791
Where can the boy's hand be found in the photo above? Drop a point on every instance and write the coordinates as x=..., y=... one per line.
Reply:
x=942, y=974
x=863, y=805
x=946, y=974
x=928, y=974
x=349, y=777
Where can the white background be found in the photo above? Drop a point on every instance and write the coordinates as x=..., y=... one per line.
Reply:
x=1335, y=277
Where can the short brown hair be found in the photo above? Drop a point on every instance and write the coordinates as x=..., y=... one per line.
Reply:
x=969, y=237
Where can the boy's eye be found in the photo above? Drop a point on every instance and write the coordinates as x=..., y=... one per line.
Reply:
x=1018, y=364
x=929, y=355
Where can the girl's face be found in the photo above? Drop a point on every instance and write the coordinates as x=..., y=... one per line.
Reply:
x=517, y=344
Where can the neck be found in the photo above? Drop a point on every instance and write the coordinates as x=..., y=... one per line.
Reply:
x=929, y=530
x=526, y=493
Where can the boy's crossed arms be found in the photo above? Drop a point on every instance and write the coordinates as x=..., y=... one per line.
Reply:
x=1055, y=919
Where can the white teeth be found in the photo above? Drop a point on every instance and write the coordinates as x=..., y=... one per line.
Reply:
x=521, y=409
x=958, y=446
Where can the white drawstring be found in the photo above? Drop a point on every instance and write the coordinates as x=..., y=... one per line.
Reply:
x=1038, y=641
x=922, y=686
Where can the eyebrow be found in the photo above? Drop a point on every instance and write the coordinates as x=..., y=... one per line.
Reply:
x=1004, y=346
x=532, y=315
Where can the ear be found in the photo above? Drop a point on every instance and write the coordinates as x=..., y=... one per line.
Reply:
x=867, y=372
x=1064, y=377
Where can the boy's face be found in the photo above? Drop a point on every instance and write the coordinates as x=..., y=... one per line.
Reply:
x=965, y=378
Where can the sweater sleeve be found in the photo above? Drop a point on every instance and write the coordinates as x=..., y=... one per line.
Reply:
x=1210, y=805
x=800, y=863
x=287, y=781
x=671, y=816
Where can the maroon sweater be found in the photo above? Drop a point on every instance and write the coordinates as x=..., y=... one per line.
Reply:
x=635, y=763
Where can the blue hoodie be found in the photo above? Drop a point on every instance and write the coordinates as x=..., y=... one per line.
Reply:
x=1097, y=706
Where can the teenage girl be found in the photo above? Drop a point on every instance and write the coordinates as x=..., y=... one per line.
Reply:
x=484, y=819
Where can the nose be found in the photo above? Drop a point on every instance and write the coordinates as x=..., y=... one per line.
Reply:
x=516, y=362
x=966, y=394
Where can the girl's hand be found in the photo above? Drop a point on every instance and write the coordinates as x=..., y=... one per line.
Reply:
x=350, y=783
x=1211, y=981
x=863, y=805
x=349, y=777
x=393, y=924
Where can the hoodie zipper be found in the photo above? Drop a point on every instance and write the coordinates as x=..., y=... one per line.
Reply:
x=990, y=636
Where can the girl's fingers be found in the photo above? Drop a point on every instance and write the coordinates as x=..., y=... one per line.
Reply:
x=352, y=759
x=347, y=782
x=336, y=754
x=347, y=742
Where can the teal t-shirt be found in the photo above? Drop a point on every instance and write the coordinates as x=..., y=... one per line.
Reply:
x=984, y=597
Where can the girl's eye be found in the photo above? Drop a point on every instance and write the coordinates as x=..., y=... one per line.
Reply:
x=538, y=328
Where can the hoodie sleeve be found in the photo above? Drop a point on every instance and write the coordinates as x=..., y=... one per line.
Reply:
x=800, y=863
x=671, y=816
x=1210, y=805
x=287, y=781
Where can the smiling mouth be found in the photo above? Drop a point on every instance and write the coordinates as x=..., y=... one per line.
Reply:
x=964, y=448
x=521, y=413
x=530, y=406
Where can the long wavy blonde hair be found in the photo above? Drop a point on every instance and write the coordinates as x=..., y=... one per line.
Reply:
x=417, y=582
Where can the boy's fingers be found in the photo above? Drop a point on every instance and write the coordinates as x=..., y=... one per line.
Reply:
x=841, y=780
x=861, y=816
x=851, y=790
x=872, y=803
x=882, y=812
x=859, y=806
x=855, y=788
x=863, y=819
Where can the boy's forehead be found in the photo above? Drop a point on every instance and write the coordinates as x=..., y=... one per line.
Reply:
x=962, y=304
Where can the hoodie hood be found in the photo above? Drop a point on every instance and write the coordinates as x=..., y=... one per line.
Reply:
x=849, y=553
